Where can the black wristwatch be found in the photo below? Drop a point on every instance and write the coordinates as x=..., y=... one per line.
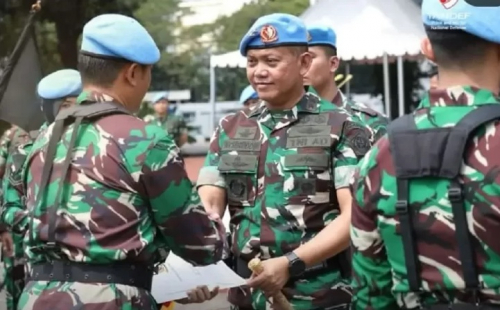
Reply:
x=296, y=266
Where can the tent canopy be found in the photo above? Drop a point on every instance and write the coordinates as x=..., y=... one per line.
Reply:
x=366, y=29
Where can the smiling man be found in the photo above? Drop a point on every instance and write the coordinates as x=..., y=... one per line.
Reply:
x=285, y=167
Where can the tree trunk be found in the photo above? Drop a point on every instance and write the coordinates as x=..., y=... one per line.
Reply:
x=67, y=37
x=69, y=19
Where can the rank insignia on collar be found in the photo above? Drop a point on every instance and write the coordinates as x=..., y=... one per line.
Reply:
x=268, y=34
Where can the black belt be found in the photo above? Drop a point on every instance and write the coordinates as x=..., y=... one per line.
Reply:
x=135, y=275
x=463, y=307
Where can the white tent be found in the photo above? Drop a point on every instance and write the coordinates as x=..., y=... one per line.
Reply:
x=367, y=30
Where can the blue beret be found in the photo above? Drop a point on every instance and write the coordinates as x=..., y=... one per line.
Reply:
x=60, y=84
x=247, y=94
x=482, y=22
x=119, y=36
x=274, y=30
x=160, y=97
x=322, y=35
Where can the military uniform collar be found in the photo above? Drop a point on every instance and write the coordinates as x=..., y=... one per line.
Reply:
x=94, y=96
x=340, y=100
x=458, y=96
x=308, y=104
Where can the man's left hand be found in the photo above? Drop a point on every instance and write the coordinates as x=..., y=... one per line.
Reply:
x=273, y=278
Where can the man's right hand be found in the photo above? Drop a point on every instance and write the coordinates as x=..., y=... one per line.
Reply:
x=7, y=244
x=199, y=295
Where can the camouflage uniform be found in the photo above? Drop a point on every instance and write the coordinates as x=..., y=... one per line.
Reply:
x=128, y=199
x=376, y=121
x=14, y=266
x=280, y=170
x=173, y=124
x=380, y=275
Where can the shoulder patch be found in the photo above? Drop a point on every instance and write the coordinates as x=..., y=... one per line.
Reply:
x=363, y=109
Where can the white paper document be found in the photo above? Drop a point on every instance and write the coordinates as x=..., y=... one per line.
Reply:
x=177, y=277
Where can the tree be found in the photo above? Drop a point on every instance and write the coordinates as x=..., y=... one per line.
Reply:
x=228, y=30
x=64, y=20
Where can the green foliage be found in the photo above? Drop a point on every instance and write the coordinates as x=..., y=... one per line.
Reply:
x=228, y=30
x=145, y=110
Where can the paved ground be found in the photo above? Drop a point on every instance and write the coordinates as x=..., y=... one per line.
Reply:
x=193, y=165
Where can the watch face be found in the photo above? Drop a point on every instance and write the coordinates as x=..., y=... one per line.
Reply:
x=297, y=268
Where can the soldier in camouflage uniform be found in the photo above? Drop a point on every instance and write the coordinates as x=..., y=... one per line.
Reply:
x=125, y=201
x=165, y=118
x=249, y=97
x=323, y=48
x=425, y=220
x=285, y=167
x=12, y=250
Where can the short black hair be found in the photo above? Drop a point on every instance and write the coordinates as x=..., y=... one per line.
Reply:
x=454, y=48
x=330, y=51
x=100, y=71
x=298, y=50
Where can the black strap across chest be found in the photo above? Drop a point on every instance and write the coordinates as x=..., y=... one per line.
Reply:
x=435, y=152
x=73, y=115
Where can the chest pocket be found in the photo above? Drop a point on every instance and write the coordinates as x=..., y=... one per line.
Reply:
x=306, y=167
x=240, y=170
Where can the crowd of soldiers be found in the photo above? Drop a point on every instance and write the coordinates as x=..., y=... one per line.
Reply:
x=345, y=210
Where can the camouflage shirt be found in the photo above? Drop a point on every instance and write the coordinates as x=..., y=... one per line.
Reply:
x=117, y=168
x=280, y=170
x=380, y=278
x=10, y=140
x=4, y=149
x=376, y=121
x=173, y=124
x=13, y=188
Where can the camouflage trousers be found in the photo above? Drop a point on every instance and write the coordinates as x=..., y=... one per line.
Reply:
x=14, y=281
x=43, y=295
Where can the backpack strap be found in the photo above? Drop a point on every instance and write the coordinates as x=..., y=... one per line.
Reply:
x=73, y=115
x=435, y=152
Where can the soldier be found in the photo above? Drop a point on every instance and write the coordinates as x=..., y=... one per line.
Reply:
x=248, y=97
x=165, y=118
x=285, y=167
x=425, y=220
x=12, y=250
x=69, y=86
x=323, y=48
x=124, y=200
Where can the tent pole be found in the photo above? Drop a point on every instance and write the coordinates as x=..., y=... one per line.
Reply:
x=213, y=121
x=401, y=86
x=348, y=84
x=387, y=88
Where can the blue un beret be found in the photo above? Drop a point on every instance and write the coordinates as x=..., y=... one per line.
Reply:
x=160, y=97
x=482, y=22
x=274, y=30
x=119, y=36
x=247, y=94
x=60, y=84
x=322, y=35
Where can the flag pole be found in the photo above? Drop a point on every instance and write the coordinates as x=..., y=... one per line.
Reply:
x=18, y=49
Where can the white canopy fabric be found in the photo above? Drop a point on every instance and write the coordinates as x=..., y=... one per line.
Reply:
x=366, y=29
x=231, y=60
